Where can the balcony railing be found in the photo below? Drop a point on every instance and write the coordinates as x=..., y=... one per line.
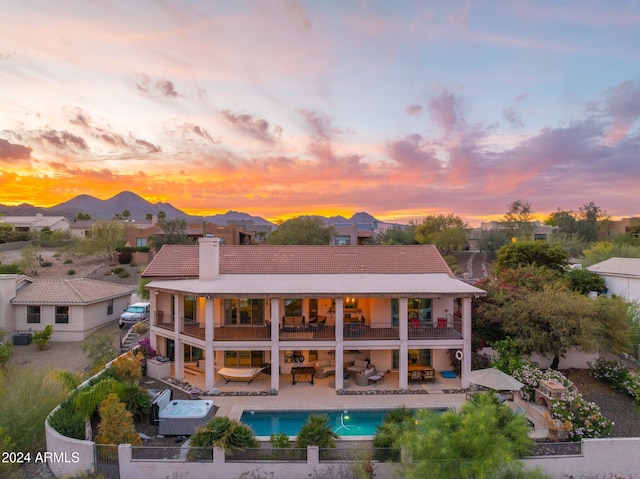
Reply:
x=358, y=330
x=451, y=329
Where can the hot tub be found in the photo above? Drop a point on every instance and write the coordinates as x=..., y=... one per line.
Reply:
x=182, y=417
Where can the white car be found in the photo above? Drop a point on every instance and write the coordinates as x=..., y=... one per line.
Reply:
x=134, y=314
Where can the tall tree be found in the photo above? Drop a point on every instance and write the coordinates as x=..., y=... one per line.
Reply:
x=592, y=222
x=175, y=232
x=519, y=217
x=448, y=233
x=302, y=230
x=105, y=237
x=484, y=440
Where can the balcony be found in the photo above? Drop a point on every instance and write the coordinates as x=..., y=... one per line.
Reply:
x=442, y=329
x=358, y=330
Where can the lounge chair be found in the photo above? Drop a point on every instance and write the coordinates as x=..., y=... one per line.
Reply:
x=239, y=374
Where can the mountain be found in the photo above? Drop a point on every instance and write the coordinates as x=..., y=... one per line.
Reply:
x=236, y=217
x=139, y=207
x=106, y=209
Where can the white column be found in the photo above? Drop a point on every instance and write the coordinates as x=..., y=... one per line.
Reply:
x=153, y=307
x=275, y=345
x=466, y=342
x=209, y=373
x=403, y=354
x=339, y=357
x=178, y=364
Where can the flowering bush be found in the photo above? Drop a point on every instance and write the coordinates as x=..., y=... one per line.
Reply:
x=581, y=418
x=530, y=376
x=617, y=376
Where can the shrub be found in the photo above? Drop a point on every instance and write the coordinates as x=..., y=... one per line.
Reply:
x=118, y=270
x=116, y=423
x=128, y=367
x=145, y=347
x=41, y=338
x=617, y=376
x=228, y=434
x=140, y=328
x=581, y=418
x=46, y=264
x=68, y=261
x=394, y=423
x=100, y=349
x=530, y=376
x=71, y=272
x=68, y=422
x=123, y=274
x=124, y=257
x=27, y=399
x=6, y=445
x=6, y=350
x=316, y=431
x=136, y=399
x=279, y=441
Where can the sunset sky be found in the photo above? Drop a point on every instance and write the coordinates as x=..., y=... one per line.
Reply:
x=281, y=108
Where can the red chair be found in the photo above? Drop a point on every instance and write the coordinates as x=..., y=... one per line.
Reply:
x=415, y=323
x=442, y=322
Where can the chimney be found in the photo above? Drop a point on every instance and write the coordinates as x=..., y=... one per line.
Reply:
x=209, y=258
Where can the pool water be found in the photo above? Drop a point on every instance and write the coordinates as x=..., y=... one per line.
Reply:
x=343, y=422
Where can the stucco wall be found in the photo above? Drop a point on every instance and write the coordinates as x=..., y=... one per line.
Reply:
x=72, y=456
x=628, y=288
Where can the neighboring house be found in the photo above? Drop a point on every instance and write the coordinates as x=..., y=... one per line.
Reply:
x=230, y=234
x=74, y=307
x=80, y=229
x=359, y=233
x=37, y=223
x=622, y=276
x=232, y=306
x=539, y=231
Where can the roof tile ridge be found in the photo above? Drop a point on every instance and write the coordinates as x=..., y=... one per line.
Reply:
x=74, y=289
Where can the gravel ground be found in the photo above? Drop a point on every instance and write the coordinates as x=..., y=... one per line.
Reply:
x=619, y=408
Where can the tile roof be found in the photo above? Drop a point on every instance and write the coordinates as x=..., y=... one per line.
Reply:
x=69, y=291
x=177, y=261
x=618, y=266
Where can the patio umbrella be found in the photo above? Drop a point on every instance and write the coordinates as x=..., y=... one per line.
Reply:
x=495, y=379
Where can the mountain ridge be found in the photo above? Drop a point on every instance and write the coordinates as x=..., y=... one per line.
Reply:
x=138, y=207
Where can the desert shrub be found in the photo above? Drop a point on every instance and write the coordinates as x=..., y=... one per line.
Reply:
x=6, y=445
x=579, y=417
x=140, y=328
x=617, y=376
x=146, y=349
x=41, y=338
x=68, y=422
x=128, y=367
x=46, y=264
x=133, y=265
x=68, y=261
x=118, y=270
x=71, y=272
x=27, y=399
x=228, y=434
x=10, y=269
x=116, y=423
x=124, y=257
x=394, y=423
x=136, y=399
x=316, y=431
x=280, y=440
x=100, y=349
x=123, y=274
x=6, y=350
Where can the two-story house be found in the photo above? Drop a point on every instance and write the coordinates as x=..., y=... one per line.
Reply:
x=242, y=306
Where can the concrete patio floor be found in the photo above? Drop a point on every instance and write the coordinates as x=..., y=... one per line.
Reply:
x=322, y=395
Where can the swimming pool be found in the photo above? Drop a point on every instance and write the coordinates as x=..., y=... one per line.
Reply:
x=344, y=422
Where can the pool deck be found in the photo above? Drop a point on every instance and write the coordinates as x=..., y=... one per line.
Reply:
x=322, y=395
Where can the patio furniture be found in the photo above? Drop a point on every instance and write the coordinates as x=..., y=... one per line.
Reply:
x=442, y=322
x=378, y=377
x=362, y=379
x=415, y=377
x=359, y=366
x=293, y=323
x=325, y=367
x=302, y=373
x=239, y=374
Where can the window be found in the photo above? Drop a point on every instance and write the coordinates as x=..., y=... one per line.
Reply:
x=62, y=314
x=141, y=242
x=110, y=307
x=342, y=240
x=350, y=303
x=243, y=358
x=293, y=307
x=33, y=314
x=190, y=308
x=244, y=311
x=420, y=307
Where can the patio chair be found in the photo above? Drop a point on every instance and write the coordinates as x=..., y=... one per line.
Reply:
x=415, y=377
x=442, y=322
